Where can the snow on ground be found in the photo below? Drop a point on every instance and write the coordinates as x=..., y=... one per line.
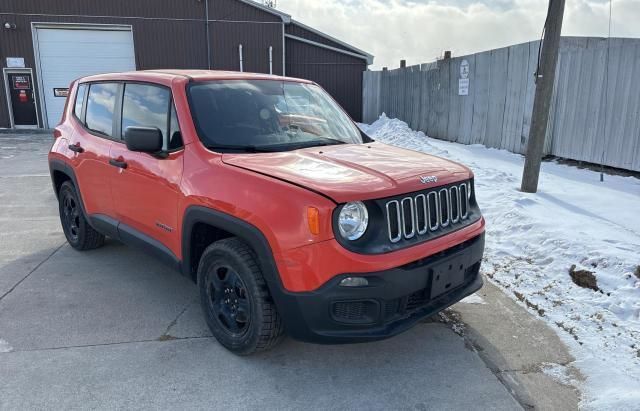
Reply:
x=473, y=299
x=532, y=240
x=4, y=346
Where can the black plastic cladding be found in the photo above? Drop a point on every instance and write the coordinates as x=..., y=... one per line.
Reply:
x=376, y=240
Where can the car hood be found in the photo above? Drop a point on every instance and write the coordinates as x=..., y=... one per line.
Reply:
x=353, y=171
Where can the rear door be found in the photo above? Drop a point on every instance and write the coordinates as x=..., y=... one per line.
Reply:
x=146, y=187
x=91, y=142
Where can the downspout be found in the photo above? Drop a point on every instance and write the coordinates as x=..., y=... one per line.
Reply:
x=206, y=12
x=270, y=60
x=284, y=52
x=240, y=53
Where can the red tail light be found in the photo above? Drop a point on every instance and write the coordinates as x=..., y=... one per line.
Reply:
x=57, y=133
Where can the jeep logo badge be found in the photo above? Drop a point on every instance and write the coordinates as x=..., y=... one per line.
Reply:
x=428, y=179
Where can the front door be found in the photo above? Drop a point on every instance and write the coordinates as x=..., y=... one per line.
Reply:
x=145, y=187
x=22, y=101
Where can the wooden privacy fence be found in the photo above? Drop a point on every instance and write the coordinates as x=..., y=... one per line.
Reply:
x=595, y=109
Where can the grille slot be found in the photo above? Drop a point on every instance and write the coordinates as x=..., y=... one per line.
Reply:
x=454, y=196
x=434, y=213
x=408, y=217
x=427, y=212
x=394, y=222
x=355, y=312
x=445, y=207
x=464, y=200
x=422, y=214
x=416, y=300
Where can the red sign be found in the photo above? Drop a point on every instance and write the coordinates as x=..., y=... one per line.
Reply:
x=21, y=83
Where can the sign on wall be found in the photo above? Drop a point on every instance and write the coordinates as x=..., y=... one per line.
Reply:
x=463, y=81
x=21, y=82
x=15, y=62
x=60, y=92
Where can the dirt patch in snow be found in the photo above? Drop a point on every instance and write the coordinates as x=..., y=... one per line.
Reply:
x=637, y=272
x=529, y=304
x=583, y=278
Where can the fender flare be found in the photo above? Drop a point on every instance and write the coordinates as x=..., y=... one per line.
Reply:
x=239, y=228
x=63, y=167
x=285, y=301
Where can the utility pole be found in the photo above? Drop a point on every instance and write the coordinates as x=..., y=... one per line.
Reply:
x=545, y=77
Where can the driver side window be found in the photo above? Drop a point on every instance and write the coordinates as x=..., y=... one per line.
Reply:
x=146, y=105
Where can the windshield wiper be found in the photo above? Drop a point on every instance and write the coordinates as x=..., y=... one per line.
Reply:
x=316, y=143
x=272, y=148
x=246, y=149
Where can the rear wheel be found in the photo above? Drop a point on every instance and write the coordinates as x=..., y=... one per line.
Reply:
x=235, y=298
x=80, y=235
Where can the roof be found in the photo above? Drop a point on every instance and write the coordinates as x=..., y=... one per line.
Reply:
x=197, y=75
x=284, y=16
x=369, y=57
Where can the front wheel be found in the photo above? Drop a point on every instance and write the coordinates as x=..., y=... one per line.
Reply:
x=235, y=298
x=80, y=235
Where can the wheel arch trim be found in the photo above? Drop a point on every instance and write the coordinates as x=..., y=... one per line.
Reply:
x=235, y=226
x=64, y=168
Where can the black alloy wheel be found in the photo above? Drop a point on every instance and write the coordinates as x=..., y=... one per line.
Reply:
x=228, y=302
x=80, y=235
x=235, y=298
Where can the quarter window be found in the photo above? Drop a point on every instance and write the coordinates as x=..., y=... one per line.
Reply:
x=175, y=136
x=100, y=106
x=146, y=106
x=77, y=109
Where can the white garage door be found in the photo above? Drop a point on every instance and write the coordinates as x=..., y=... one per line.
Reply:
x=66, y=54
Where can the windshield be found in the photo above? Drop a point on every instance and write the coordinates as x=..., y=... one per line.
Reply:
x=267, y=115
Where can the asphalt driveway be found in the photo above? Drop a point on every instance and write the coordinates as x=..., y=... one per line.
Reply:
x=113, y=328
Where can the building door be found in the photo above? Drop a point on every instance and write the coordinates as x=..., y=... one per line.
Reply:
x=65, y=52
x=21, y=96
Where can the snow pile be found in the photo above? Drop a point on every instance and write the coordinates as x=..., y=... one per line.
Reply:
x=473, y=299
x=533, y=240
x=4, y=346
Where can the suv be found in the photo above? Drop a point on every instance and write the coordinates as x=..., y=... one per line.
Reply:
x=267, y=195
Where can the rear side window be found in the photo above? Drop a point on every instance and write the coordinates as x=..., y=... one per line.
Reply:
x=77, y=109
x=101, y=103
x=146, y=106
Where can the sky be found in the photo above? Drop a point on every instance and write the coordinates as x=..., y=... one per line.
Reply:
x=420, y=30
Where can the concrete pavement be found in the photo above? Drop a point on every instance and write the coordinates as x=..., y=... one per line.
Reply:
x=113, y=328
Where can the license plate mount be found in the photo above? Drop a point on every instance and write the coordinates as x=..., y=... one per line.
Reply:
x=449, y=274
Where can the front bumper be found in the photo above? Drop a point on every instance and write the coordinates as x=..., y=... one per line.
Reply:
x=393, y=302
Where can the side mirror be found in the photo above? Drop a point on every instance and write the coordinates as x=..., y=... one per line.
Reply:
x=143, y=139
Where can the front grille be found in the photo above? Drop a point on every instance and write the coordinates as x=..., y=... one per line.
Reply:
x=416, y=300
x=355, y=312
x=350, y=311
x=427, y=212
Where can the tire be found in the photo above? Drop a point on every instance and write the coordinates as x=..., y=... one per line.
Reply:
x=235, y=299
x=80, y=235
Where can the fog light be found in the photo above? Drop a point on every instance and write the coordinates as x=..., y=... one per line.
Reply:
x=354, y=282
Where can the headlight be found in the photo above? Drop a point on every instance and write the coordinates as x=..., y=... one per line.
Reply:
x=353, y=220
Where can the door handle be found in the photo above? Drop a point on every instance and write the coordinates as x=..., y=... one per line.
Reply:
x=118, y=163
x=76, y=148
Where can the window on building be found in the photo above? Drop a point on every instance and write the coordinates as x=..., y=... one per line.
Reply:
x=101, y=103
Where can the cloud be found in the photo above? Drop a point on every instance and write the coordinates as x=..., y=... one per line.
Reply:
x=420, y=30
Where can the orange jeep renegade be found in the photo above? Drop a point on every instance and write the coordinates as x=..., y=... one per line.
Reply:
x=267, y=195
